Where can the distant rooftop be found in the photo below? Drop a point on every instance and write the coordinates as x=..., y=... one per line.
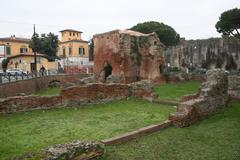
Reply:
x=14, y=38
x=71, y=30
x=28, y=54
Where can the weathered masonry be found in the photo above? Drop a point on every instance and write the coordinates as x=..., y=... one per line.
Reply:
x=206, y=53
x=128, y=56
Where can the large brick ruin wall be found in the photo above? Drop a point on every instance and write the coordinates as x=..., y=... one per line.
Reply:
x=212, y=96
x=206, y=53
x=79, y=95
x=31, y=86
x=133, y=56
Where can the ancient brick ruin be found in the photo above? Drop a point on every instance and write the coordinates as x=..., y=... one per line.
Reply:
x=212, y=96
x=128, y=56
x=205, y=53
x=234, y=86
x=30, y=86
x=93, y=93
x=78, y=150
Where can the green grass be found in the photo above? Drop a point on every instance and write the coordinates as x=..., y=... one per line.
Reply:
x=31, y=131
x=52, y=91
x=216, y=138
x=174, y=91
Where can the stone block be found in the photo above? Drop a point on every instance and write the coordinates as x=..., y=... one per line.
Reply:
x=76, y=150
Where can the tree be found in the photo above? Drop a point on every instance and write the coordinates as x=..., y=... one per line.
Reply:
x=46, y=44
x=5, y=64
x=50, y=45
x=91, y=50
x=35, y=43
x=229, y=23
x=167, y=35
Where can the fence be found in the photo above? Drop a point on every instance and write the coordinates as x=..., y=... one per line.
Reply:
x=11, y=77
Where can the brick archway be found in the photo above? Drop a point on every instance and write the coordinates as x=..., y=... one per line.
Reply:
x=107, y=70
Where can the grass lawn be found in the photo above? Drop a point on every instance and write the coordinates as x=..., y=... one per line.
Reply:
x=51, y=91
x=216, y=138
x=31, y=131
x=174, y=91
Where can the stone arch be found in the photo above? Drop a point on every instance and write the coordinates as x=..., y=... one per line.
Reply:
x=54, y=83
x=107, y=70
x=161, y=68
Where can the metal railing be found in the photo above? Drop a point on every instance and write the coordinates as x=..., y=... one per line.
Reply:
x=12, y=77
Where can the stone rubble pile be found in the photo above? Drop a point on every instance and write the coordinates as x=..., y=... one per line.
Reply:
x=76, y=150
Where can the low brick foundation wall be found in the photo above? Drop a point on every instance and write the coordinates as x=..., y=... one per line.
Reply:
x=166, y=102
x=94, y=93
x=26, y=103
x=189, y=97
x=78, y=95
x=31, y=86
x=136, y=134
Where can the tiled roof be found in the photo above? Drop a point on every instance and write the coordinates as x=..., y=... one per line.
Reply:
x=27, y=54
x=71, y=30
x=15, y=39
x=74, y=40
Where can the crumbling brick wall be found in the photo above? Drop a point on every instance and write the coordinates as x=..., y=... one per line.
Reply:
x=30, y=86
x=234, y=86
x=211, y=97
x=79, y=95
x=133, y=56
x=94, y=93
x=79, y=150
x=26, y=103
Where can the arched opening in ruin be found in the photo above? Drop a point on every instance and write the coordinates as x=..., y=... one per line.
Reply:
x=54, y=84
x=161, y=69
x=107, y=70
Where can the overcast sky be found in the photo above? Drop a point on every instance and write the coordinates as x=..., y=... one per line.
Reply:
x=192, y=19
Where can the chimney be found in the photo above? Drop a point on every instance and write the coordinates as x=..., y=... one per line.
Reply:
x=13, y=37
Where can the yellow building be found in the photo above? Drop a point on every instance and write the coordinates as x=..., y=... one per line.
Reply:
x=72, y=50
x=12, y=46
x=25, y=62
x=72, y=45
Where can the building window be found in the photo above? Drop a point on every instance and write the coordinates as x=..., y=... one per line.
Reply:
x=73, y=34
x=2, y=50
x=64, y=52
x=23, y=50
x=38, y=60
x=70, y=51
x=70, y=33
x=8, y=50
x=81, y=51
